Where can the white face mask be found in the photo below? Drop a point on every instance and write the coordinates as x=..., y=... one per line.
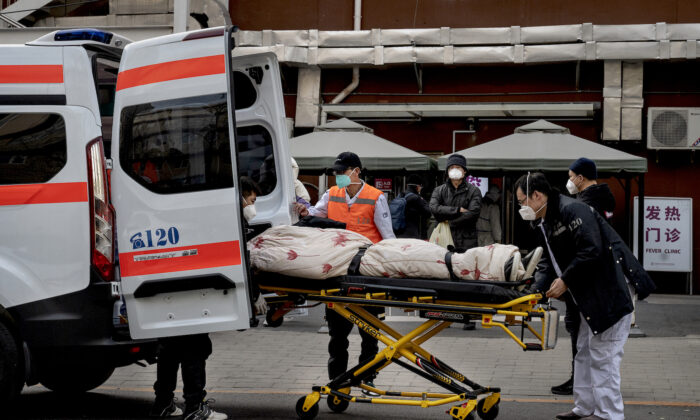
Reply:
x=571, y=187
x=526, y=212
x=455, y=174
x=249, y=212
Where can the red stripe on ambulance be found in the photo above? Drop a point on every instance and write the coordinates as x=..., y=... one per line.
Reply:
x=67, y=192
x=168, y=260
x=35, y=73
x=171, y=70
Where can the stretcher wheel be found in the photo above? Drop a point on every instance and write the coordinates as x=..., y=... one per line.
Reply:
x=306, y=415
x=489, y=415
x=337, y=404
x=274, y=323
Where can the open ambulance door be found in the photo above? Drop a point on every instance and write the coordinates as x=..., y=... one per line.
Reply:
x=181, y=237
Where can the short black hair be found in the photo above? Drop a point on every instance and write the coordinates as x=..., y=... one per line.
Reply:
x=248, y=186
x=535, y=181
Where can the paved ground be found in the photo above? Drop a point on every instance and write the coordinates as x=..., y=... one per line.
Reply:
x=259, y=373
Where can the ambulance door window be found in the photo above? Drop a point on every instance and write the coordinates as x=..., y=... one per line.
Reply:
x=256, y=158
x=32, y=147
x=105, y=71
x=178, y=145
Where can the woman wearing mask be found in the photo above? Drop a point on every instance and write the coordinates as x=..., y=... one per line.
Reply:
x=458, y=202
x=249, y=193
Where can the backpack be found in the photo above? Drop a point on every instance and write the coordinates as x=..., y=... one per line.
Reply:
x=397, y=207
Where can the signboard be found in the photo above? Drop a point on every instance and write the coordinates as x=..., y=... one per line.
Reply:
x=481, y=183
x=384, y=184
x=668, y=229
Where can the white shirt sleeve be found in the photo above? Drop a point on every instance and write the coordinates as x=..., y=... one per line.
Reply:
x=321, y=207
x=382, y=218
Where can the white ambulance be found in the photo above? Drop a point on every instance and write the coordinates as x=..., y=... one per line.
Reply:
x=57, y=262
x=190, y=119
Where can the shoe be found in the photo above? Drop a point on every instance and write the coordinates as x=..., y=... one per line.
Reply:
x=168, y=409
x=368, y=392
x=592, y=417
x=567, y=388
x=204, y=412
x=469, y=326
x=569, y=415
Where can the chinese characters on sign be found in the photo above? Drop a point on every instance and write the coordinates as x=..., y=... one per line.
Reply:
x=481, y=183
x=383, y=184
x=667, y=233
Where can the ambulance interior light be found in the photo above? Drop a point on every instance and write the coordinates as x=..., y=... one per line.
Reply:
x=83, y=35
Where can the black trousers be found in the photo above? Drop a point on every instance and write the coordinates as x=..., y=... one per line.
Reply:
x=339, y=329
x=572, y=322
x=190, y=352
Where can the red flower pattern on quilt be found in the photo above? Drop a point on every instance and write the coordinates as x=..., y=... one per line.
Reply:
x=291, y=255
x=326, y=268
x=340, y=239
x=257, y=244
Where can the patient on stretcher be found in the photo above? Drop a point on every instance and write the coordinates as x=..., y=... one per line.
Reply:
x=316, y=253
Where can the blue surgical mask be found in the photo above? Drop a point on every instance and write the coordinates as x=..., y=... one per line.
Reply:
x=342, y=181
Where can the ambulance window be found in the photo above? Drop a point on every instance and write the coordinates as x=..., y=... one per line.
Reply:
x=244, y=92
x=256, y=159
x=105, y=83
x=177, y=146
x=32, y=147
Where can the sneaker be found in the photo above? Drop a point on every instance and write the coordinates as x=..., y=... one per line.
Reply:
x=368, y=392
x=165, y=410
x=204, y=412
x=567, y=388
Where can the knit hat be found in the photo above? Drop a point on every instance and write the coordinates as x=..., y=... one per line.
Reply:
x=457, y=159
x=586, y=167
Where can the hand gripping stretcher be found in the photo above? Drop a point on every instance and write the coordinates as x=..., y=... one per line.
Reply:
x=439, y=302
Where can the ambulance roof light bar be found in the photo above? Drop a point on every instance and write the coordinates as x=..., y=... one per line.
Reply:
x=81, y=36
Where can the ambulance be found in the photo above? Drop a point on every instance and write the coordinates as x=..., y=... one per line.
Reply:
x=58, y=288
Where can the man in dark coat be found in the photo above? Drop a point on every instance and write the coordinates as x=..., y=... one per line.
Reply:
x=459, y=202
x=578, y=259
x=583, y=176
x=417, y=209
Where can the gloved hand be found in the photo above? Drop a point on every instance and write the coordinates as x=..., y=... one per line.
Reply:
x=260, y=305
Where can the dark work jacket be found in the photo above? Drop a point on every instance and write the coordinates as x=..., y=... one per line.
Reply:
x=417, y=214
x=445, y=203
x=589, y=269
x=599, y=197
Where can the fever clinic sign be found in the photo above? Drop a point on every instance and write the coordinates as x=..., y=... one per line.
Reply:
x=481, y=183
x=667, y=233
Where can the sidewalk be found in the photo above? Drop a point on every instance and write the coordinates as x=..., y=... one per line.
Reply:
x=654, y=369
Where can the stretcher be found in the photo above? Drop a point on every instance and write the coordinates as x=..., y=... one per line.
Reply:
x=440, y=303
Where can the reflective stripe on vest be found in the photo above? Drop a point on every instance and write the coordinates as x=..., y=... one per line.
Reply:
x=359, y=217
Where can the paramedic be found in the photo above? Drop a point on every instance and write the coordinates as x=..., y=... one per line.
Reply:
x=576, y=261
x=249, y=192
x=582, y=181
x=417, y=209
x=302, y=195
x=459, y=202
x=365, y=210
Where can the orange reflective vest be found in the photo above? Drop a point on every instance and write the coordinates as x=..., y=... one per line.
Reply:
x=360, y=216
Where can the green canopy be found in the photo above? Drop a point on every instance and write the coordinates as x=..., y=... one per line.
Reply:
x=318, y=150
x=544, y=146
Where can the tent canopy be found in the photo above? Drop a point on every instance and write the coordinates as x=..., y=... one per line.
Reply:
x=318, y=150
x=544, y=146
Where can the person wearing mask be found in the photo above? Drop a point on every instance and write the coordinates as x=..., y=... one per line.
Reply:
x=417, y=210
x=488, y=226
x=576, y=261
x=582, y=183
x=249, y=192
x=365, y=210
x=302, y=195
x=458, y=202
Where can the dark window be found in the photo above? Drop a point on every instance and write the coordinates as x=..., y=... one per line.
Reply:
x=255, y=156
x=105, y=72
x=32, y=147
x=177, y=145
x=244, y=92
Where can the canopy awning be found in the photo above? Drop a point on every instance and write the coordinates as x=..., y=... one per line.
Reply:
x=544, y=146
x=318, y=150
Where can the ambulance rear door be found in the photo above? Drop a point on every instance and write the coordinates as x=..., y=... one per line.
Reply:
x=175, y=180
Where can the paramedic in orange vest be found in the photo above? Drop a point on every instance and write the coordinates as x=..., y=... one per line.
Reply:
x=365, y=210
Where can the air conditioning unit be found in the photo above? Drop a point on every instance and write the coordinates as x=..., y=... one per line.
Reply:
x=673, y=128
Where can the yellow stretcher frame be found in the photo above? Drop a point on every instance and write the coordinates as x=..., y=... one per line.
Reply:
x=441, y=314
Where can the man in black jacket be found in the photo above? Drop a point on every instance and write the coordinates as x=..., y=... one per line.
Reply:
x=417, y=209
x=459, y=202
x=583, y=176
x=577, y=261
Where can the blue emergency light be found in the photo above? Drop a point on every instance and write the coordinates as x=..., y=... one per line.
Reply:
x=83, y=35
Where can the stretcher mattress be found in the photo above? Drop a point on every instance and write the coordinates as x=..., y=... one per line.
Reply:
x=459, y=291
